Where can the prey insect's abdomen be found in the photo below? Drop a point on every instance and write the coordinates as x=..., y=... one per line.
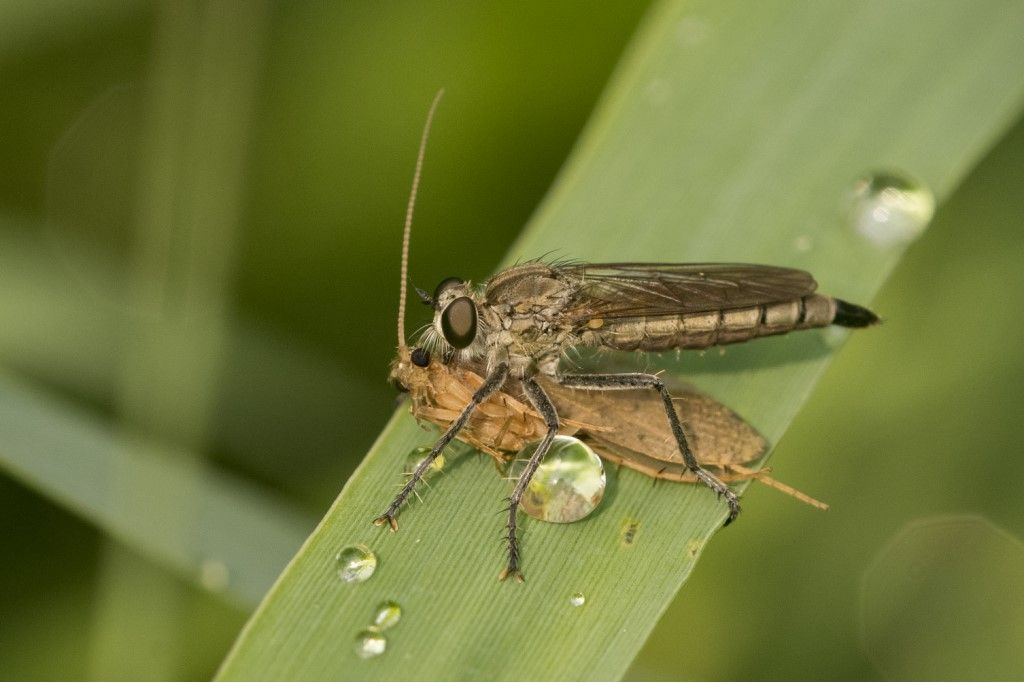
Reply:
x=713, y=328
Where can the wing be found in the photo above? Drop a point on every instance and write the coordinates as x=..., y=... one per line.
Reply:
x=635, y=431
x=625, y=290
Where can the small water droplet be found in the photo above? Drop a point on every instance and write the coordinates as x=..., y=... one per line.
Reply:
x=214, y=575
x=370, y=643
x=567, y=486
x=803, y=243
x=387, y=615
x=577, y=599
x=890, y=209
x=657, y=91
x=834, y=336
x=356, y=563
x=416, y=456
x=692, y=31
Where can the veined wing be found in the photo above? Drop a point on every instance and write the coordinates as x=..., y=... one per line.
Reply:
x=623, y=290
x=636, y=432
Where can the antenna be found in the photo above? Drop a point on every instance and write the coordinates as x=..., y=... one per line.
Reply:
x=408, y=219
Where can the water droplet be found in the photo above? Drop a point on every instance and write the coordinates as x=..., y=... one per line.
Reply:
x=416, y=456
x=567, y=486
x=890, y=209
x=692, y=31
x=387, y=615
x=803, y=243
x=657, y=91
x=834, y=336
x=214, y=575
x=370, y=643
x=577, y=599
x=356, y=563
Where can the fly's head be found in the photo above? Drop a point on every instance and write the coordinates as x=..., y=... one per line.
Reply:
x=457, y=329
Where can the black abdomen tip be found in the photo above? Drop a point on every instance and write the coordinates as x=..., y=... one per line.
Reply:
x=852, y=315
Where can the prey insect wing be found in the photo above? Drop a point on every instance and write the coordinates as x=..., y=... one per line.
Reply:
x=634, y=434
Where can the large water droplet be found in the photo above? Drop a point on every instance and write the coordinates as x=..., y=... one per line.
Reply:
x=387, y=615
x=577, y=599
x=370, y=643
x=567, y=486
x=356, y=563
x=890, y=209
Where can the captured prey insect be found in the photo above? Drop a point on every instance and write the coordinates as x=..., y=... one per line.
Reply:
x=624, y=427
x=512, y=332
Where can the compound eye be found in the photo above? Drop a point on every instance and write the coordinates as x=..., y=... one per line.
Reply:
x=458, y=322
x=420, y=357
x=445, y=284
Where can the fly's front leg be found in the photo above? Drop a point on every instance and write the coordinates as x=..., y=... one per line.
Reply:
x=493, y=382
x=539, y=398
x=639, y=380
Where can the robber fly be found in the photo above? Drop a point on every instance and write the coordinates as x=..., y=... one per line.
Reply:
x=514, y=330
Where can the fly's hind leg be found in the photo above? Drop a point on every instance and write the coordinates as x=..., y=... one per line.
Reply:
x=493, y=383
x=640, y=380
x=539, y=398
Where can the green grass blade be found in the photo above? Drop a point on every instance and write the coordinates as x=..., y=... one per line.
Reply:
x=205, y=525
x=731, y=132
x=196, y=129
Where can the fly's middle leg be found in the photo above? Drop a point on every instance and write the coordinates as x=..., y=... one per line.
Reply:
x=492, y=384
x=639, y=380
x=539, y=398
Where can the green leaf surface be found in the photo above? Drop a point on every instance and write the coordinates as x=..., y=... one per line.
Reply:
x=213, y=528
x=731, y=132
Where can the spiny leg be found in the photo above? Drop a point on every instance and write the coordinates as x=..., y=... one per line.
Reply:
x=493, y=382
x=640, y=380
x=539, y=398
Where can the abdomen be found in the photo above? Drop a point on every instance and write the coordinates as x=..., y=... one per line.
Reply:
x=714, y=328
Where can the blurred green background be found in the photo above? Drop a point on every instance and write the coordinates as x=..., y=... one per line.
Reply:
x=200, y=213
